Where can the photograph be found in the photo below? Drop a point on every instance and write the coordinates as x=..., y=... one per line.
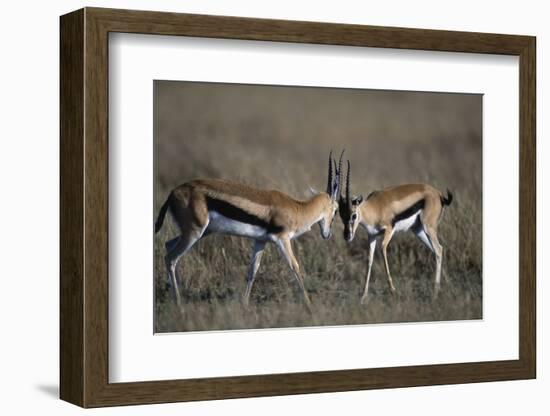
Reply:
x=281, y=206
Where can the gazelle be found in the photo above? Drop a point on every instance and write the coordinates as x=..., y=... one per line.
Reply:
x=415, y=207
x=207, y=206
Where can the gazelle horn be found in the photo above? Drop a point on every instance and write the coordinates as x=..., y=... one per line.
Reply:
x=338, y=179
x=347, y=184
x=329, y=183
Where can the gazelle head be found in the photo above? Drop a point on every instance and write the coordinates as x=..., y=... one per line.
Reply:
x=330, y=197
x=349, y=210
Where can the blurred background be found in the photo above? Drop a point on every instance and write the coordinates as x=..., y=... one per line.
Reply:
x=277, y=137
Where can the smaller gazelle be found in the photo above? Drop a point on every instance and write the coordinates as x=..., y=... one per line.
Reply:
x=207, y=206
x=415, y=207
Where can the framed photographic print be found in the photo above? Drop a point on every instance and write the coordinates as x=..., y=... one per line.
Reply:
x=256, y=207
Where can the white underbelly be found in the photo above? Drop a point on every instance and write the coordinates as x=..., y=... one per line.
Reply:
x=406, y=223
x=372, y=230
x=223, y=225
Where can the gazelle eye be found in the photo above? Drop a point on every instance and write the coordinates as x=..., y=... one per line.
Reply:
x=353, y=216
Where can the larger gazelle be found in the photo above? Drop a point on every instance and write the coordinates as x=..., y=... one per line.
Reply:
x=415, y=207
x=207, y=206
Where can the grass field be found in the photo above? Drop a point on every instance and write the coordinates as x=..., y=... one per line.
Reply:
x=279, y=138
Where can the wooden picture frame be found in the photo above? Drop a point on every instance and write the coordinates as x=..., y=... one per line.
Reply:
x=84, y=207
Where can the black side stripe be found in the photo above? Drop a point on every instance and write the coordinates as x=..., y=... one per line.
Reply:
x=235, y=213
x=413, y=209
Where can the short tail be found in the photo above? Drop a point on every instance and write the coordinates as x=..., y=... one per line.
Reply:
x=448, y=199
x=162, y=213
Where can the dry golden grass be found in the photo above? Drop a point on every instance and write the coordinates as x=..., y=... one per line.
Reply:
x=279, y=138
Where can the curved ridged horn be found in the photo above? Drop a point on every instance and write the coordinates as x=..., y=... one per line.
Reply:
x=347, y=184
x=329, y=183
x=338, y=191
x=334, y=188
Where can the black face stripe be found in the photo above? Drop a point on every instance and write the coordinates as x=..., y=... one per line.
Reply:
x=413, y=209
x=344, y=211
x=235, y=213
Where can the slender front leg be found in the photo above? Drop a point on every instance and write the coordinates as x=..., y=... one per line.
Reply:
x=372, y=247
x=286, y=249
x=257, y=252
x=388, y=233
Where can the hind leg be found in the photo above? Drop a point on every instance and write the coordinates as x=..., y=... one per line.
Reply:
x=430, y=219
x=437, y=248
x=388, y=233
x=423, y=237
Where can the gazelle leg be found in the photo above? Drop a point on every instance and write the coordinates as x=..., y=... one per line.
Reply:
x=438, y=250
x=372, y=247
x=257, y=252
x=422, y=236
x=179, y=248
x=386, y=240
x=286, y=250
x=169, y=246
